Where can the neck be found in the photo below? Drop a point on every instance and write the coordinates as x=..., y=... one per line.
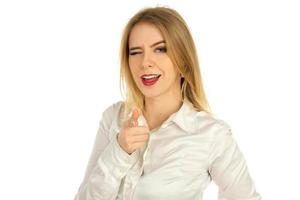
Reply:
x=158, y=109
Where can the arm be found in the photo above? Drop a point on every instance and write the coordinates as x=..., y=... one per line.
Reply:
x=228, y=169
x=107, y=165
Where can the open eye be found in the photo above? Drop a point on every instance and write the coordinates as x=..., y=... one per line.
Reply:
x=161, y=49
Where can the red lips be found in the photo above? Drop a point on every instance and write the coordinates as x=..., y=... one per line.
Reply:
x=150, y=79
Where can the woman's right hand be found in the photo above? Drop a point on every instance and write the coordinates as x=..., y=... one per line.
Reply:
x=132, y=136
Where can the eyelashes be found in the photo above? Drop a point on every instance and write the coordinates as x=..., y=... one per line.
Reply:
x=162, y=49
x=133, y=53
x=159, y=50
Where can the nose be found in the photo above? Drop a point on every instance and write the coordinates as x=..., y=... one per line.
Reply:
x=147, y=60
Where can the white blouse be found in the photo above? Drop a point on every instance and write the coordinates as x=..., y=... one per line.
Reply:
x=178, y=162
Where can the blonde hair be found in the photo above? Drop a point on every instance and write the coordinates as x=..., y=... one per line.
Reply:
x=181, y=50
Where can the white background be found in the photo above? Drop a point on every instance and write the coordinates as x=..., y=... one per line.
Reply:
x=60, y=70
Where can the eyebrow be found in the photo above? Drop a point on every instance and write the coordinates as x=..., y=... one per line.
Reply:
x=156, y=43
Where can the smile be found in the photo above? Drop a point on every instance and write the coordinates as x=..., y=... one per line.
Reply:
x=150, y=79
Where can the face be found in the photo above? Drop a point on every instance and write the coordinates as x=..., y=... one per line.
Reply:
x=150, y=65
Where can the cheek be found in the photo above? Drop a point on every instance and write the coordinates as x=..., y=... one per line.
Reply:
x=134, y=72
x=169, y=69
x=134, y=61
x=132, y=64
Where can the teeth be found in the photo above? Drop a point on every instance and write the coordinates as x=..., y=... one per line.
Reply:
x=151, y=76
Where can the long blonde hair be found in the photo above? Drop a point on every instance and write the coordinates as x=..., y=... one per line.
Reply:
x=181, y=50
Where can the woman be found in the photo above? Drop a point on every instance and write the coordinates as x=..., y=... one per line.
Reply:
x=163, y=142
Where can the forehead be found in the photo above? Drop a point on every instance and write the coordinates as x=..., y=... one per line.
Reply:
x=144, y=33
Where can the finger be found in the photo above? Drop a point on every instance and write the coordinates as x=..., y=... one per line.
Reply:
x=138, y=145
x=133, y=123
x=140, y=138
x=139, y=130
x=135, y=114
x=134, y=118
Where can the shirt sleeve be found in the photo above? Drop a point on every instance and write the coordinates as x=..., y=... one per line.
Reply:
x=107, y=165
x=229, y=171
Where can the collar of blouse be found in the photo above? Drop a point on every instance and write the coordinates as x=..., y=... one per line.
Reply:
x=187, y=118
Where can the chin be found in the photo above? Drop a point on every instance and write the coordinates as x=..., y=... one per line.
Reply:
x=150, y=94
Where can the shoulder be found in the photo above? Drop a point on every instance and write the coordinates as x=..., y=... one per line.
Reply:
x=112, y=111
x=200, y=122
x=114, y=107
x=213, y=121
x=211, y=125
